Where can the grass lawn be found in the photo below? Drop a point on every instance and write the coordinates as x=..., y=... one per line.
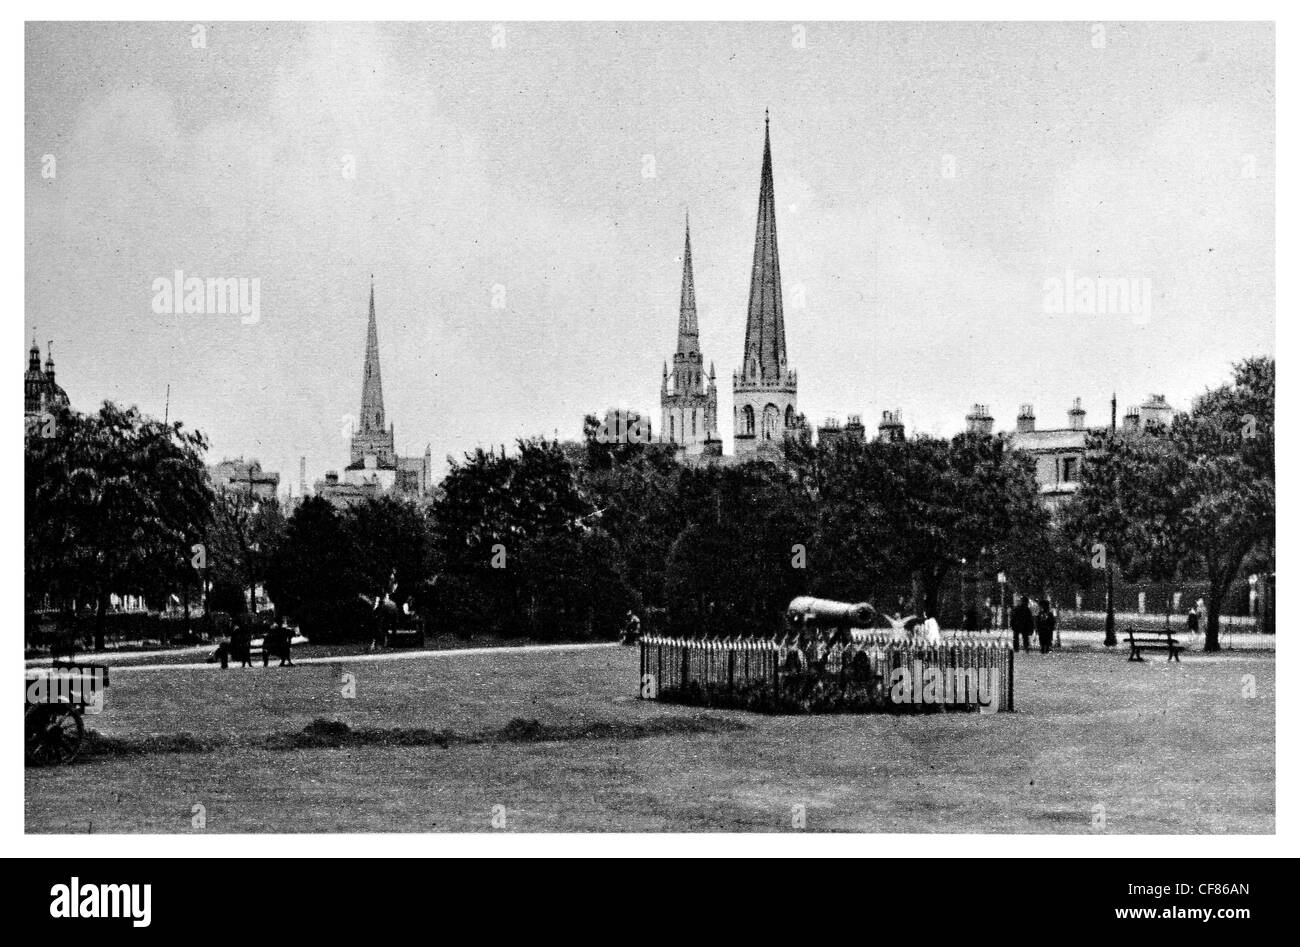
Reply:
x=437, y=741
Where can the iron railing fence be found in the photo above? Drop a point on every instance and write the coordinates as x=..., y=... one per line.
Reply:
x=831, y=672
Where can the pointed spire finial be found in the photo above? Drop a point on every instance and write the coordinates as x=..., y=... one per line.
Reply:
x=764, y=352
x=372, y=389
x=687, y=327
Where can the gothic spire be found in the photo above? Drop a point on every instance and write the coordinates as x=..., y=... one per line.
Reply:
x=688, y=330
x=765, y=327
x=372, y=388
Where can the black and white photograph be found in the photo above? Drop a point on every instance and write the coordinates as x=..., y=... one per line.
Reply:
x=713, y=428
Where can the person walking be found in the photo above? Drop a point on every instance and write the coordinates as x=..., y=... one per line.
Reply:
x=284, y=641
x=241, y=642
x=1022, y=624
x=1046, y=625
x=1193, y=621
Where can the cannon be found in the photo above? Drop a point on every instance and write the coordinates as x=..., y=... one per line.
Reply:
x=827, y=613
x=54, y=700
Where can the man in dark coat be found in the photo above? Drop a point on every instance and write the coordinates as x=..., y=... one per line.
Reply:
x=1022, y=623
x=241, y=644
x=1046, y=625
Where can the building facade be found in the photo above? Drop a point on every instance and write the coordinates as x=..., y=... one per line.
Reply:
x=247, y=477
x=1058, y=453
x=764, y=388
x=688, y=401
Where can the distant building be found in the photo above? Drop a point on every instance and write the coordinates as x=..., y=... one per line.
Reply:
x=247, y=477
x=764, y=387
x=1155, y=412
x=979, y=421
x=688, y=401
x=375, y=468
x=41, y=393
x=890, y=429
x=1057, y=453
x=343, y=494
x=832, y=433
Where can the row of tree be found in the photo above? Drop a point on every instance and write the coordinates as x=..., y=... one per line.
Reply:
x=560, y=540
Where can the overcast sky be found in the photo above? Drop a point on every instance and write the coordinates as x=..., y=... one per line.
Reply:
x=930, y=180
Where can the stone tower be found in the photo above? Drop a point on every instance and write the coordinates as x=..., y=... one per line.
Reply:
x=765, y=386
x=688, y=401
x=41, y=393
x=372, y=439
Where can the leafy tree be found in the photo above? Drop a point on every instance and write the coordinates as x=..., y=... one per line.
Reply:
x=314, y=576
x=642, y=503
x=392, y=540
x=1197, y=497
x=114, y=501
x=495, y=514
x=909, y=512
x=243, y=541
x=735, y=569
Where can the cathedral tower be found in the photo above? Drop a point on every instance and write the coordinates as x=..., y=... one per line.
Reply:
x=688, y=401
x=372, y=442
x=764, y=387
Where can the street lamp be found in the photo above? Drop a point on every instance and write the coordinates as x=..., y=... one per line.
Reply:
x=1002, y=583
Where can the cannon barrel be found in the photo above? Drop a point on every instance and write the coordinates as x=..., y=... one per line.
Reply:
x=825, y=611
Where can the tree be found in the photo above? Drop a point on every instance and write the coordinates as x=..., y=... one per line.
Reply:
x=391, y=538
x=115, y=500
x=242, y=543
x=1223, y=499
x=909, y=512
x=495, y=522
x=314, y=576
x=1199, y=496
x=735, y=569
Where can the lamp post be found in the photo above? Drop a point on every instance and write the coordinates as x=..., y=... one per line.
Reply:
x=1109, y=641
x=1002, y=583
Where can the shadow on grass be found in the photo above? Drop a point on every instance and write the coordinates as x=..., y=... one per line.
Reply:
x=335, y=734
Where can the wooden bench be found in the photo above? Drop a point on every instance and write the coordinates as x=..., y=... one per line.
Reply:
x=1153, y=639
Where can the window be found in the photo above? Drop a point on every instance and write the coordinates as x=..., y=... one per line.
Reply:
x=747, y=424
x=1070, y=469
x=789, y=416
x=771, y=418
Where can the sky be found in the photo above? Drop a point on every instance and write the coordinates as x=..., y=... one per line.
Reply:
x=519, y=191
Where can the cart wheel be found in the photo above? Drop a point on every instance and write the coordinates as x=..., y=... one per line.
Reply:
x=53, y=735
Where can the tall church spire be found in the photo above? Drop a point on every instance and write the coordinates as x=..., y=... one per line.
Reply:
x=372, y=388
x=765, y=327
x=689, y=404
x=688, y=329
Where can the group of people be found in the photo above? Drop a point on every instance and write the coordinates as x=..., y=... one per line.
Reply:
x=1024, y=624
x=277, y=642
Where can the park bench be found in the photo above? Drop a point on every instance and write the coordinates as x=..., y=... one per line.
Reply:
x=1153, y=639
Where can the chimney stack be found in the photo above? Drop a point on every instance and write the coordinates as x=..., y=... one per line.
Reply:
x=1156, y=411
x=1077, y=415
x=979, y=421
x=891, y=427
x=1025, y=419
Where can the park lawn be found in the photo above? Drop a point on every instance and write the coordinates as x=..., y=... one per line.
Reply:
x=1164, y=748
